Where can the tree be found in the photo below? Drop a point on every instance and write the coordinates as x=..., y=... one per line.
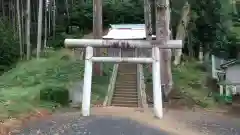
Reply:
x=28, y=28
x=54, y=18
x=39, y=36
x=97, y=31
x=213, y=28
x=45, y=24
x=162, y=32
x=19, y=29
x=148, y=19
x=182, y=31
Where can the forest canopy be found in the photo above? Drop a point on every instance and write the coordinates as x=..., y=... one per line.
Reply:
x=211, y=24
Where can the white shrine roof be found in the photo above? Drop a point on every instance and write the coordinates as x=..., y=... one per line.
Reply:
x=126, y=31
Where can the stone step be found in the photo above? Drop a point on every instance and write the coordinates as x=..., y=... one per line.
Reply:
x=124, y=85
x=124, y=105
x=127, y=86
x=126, y=78
x=124, y=101
x=127, y=73
x=125, y=95
x=125, y=98
x=126, y=82
x=125, y=91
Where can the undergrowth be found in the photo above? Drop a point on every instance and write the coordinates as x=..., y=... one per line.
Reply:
x=189, y=83
x=20, y=87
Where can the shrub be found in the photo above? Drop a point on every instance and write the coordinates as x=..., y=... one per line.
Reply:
x=9, y=46
x=55, y=94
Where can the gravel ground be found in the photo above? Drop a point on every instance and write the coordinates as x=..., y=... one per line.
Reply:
x=93, y=125
x=209, y=123
x=199, y=123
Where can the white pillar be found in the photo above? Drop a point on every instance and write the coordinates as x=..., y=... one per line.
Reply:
x=213, y=67
x=157, y=90
x=228, y=90
x=234, y=90
x=221, y=90
x=86, y=102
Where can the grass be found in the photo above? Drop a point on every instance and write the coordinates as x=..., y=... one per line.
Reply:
x=189, y=83
x=20, y=87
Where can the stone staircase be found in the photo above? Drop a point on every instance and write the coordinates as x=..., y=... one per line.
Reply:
x=125, y=93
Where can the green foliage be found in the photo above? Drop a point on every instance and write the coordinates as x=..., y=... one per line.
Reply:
x=55, y=94
x=126, y=11
x=9, y=46
x=212, y=27
x=189, y=81
x=21, y=86
x=81, y=15
x=44, y=83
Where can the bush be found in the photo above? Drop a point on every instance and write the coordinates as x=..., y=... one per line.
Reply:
x=55, y=94
x=9, y=46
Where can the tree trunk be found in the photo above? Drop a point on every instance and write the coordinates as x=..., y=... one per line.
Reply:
x=45, y=25
x=22, y=26
x=54, y=18
x=28, y=28
x=39, y=36
x=148, y=27
x=234, y=6
x=168, y=51
x=9, y=11
x=19, y=29
x=189, y=46
x=13, y=17
x=68, y=16
x=3, y=8
x=200, y=55
x=181, y=31
x=49, y=16
x=97, y=32
x=34, y=17
x=147, y=18
x=162, y=33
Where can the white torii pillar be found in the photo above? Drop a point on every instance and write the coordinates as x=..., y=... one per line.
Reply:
x=155, y=60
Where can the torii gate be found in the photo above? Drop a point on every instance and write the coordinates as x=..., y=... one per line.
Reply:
x=162, y=42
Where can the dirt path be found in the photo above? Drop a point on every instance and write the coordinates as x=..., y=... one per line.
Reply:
x=181, y=122
x=130, y=121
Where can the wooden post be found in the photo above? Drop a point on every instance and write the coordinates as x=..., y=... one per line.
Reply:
x=97, y=32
